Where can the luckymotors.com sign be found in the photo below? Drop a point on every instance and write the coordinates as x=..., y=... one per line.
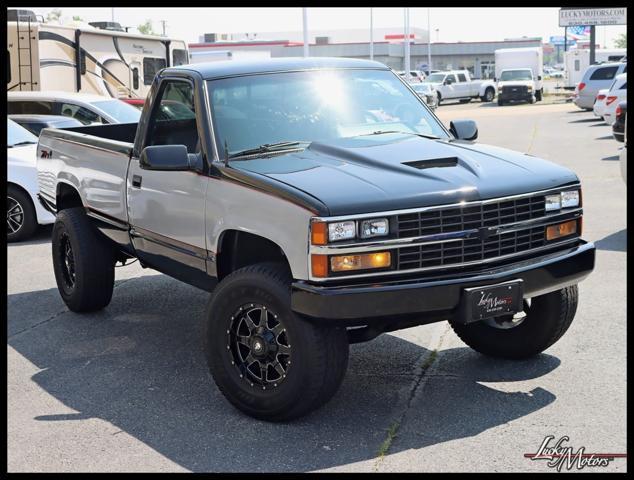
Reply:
x=570, y=17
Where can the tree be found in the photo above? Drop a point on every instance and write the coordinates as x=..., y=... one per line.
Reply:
x=77, y=18
x=54, y=15
x=621, y=41
x=146, y=28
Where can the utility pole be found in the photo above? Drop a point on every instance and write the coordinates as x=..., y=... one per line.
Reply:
x=112, y=13
x=371, y=37
x=593, y=40
x=406, y=44
x=305, y=20
x=428, y=43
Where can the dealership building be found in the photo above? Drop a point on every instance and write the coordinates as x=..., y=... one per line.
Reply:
x=477, y=57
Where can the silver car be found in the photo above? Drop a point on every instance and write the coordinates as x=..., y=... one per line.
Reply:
x=427, y=92
x=594, y=79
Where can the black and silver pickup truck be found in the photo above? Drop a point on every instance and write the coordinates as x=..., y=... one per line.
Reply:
x=321, y=203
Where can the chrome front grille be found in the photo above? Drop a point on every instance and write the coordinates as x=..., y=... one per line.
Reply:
x=456, y=219
x=471, y=249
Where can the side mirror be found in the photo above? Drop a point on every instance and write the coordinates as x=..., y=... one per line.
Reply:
x=539, y=77
x=165, y=157
x=464, y=129
x=495, y=79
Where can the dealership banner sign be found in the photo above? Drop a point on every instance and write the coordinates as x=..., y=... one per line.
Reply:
x=569, y=17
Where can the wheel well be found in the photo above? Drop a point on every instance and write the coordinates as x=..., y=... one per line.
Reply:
x=67, y=197
x=238, y=249
x=21, y=188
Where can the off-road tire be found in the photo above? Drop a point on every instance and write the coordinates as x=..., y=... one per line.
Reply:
x=28, y=218
x=547, y=320
x=319, y=352
x=92, y=258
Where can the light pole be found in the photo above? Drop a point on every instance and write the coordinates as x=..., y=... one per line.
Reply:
x=406, y=44
x=428, y=43
x=112, y=13
x=371, y=37
x=305, y=20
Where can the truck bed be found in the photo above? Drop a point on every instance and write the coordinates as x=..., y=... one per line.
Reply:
x=93, y=159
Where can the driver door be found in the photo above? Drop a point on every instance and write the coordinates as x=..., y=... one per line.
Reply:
x=166, y=209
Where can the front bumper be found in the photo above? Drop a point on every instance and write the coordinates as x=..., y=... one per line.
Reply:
x=440, y=296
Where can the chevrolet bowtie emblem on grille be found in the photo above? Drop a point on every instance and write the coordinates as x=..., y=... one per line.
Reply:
x=486, y=232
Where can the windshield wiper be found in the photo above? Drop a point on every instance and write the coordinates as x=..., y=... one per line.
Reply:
x=383, y=132
x=27, y=142
x=268, y=148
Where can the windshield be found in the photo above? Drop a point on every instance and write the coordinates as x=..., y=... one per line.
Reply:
x=253, y=110
x=516, y=75
x=435, y=78
x=18, y=135
x=120, y=111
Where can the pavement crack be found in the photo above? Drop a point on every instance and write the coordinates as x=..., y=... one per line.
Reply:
x=423, y=365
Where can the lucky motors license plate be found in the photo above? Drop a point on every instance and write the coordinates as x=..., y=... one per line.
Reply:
x=490, y=301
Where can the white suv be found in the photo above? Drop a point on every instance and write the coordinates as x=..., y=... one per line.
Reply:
x=594, y=79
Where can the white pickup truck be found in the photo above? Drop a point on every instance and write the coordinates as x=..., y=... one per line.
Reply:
x=458, y=85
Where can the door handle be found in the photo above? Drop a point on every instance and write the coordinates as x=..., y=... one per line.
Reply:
x=136, y=181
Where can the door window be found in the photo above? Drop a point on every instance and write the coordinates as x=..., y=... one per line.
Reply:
x=173, y=120
x=82, y=114
x=451, y=77
x=151, y=66
x=462, y=77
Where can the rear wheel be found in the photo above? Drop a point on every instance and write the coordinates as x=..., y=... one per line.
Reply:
x=21, y=216
x=266, y=360
x=439, y=98
x=544, y=320
x=83, y=262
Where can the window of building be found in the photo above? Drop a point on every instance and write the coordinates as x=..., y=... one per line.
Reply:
x=151, y=67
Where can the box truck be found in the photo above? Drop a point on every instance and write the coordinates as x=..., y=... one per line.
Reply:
x=519, y=74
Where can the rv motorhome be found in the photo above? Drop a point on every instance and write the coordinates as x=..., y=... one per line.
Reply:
x=102, y=59
x=576, y=62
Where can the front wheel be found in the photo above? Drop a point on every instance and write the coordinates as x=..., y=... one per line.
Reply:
x=544, y=320
x=500, y=102
x=538, y=95
x=488, y=95
x=266, y=360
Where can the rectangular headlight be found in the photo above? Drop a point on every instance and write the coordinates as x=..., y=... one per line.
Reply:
x=570, y=199
x=342, y=231
x=553, y=202
x=374, y=228
x=345, y=263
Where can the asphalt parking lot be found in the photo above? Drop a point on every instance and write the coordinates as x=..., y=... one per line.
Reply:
x=127, y=389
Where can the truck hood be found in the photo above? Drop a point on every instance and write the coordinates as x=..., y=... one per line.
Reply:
x=397, y=171
x=516, y=83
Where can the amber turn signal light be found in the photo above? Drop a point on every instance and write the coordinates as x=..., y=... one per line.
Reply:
x=344, y=263
x=319, y=265
x=561, y=230
x=318, y=233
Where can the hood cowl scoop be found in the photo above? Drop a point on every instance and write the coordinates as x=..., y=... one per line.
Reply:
x=433, y=163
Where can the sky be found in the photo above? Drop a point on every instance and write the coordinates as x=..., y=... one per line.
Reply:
x=453, y=24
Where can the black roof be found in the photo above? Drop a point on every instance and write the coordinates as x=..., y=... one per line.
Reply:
x=228, y=68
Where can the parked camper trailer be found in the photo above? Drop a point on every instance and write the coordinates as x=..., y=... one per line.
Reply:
x=84, y=58
x=576, y=62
